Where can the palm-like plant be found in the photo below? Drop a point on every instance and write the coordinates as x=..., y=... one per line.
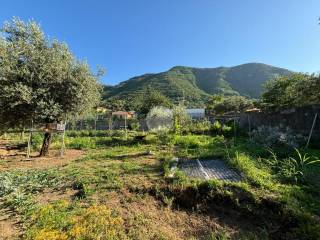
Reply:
x=300, y=164
x=294, y=168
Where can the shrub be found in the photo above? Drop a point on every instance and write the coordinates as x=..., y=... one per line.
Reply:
x=37, y=140
x=164, y=136
x=273, y=137
x=216, y=127
x=197, y=127
x=293, y=169
x=227, y=130
x=134, y=124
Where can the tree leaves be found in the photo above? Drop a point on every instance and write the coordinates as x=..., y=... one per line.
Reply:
x=292, y=91
x=41, y=79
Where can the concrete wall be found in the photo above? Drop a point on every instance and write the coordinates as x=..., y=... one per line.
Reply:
x=298, y=119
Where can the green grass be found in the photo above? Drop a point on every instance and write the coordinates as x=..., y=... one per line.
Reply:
x=298, y=201
x=115, y=170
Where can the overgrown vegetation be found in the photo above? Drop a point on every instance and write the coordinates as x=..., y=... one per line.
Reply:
x=294, y=90
x=280, y=189
x=219, y=104
x=127, y=184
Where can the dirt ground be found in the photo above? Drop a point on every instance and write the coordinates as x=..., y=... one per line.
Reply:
x=147, y=216
x=9, y=225
x=17, y=160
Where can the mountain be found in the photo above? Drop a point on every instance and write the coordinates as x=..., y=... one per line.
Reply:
x=195, y=85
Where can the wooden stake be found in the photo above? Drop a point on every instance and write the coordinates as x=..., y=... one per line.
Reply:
x=63, y=143
x=29, y=141
x=311, y=131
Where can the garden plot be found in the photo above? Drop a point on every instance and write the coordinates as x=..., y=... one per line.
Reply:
x=209, y=169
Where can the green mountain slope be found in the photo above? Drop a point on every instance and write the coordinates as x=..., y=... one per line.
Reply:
x=195, y=85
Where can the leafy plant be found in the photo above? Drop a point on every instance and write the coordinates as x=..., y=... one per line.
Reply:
x=216, y=127
x=293, y=168
x=300, y=165
x=164, y=136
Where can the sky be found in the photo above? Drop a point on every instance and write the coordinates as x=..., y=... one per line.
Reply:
x=134, y=37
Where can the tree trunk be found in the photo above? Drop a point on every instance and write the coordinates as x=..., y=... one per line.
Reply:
x=46, y=144
x=22, y=134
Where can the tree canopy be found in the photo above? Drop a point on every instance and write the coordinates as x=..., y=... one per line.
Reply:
x=292, y=91
x=152, y=98
x=40, y=78
x=220, y=104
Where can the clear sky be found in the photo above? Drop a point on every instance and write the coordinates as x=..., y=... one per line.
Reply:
x=133, y=37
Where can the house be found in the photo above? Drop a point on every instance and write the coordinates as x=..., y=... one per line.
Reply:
x=196, y=113
x=123, y=114
x=120, y=119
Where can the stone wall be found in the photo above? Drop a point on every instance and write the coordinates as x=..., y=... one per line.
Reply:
x=298, y=119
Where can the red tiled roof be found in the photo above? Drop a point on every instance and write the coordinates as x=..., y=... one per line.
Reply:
x=121, y=113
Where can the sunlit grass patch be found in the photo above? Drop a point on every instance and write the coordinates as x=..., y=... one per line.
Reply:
x=64, y=220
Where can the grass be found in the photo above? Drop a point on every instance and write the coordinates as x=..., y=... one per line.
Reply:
x=121, y=193
x=296, y=200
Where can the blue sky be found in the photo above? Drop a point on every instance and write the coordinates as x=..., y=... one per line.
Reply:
x=133, y=37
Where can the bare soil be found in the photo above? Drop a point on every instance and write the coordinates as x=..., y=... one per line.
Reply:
x=148, y=218
x=49, y=195
x=9, y=225
x=15, y=159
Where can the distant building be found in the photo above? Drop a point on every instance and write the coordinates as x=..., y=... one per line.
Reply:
x=123, y=114
x=119, y=119
x=196, y=113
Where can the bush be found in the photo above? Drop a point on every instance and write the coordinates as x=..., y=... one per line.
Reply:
x=197, y=127
x=164, y=136
x=216, y=127
x=134, y=124
x=273, y=137
x=227, y=131
x=294, y=168
x=36, y=141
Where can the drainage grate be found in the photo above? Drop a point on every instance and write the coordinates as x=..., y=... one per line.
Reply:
x=209, y=169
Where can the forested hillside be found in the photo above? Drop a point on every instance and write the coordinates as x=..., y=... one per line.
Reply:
x=194, y=85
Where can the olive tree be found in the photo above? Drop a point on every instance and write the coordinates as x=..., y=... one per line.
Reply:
x=41, y=80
